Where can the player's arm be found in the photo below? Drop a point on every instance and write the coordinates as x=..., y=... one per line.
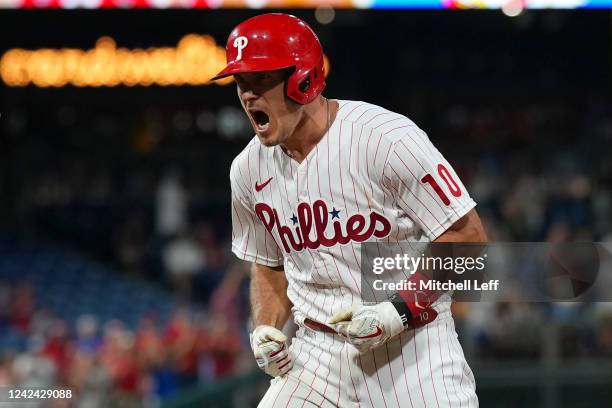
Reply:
x=428, y=191
x=269, y=302
x=413, y=305
x=428, y=188
x=467, y=229
x=271, y=307
x=408, y=308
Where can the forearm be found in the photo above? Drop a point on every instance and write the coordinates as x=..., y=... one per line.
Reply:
x=269, y=302
x=466, y=230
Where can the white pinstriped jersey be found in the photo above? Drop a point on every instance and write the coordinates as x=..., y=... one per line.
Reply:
x=374, y=176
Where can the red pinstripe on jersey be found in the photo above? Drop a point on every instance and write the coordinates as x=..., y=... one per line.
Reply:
x=433, y=384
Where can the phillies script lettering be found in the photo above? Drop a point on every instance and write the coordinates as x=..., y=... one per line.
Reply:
x=315, y=218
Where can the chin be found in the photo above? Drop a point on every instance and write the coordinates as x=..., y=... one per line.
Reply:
x=268, y=140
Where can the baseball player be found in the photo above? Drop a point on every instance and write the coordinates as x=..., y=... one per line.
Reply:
x=321, y=177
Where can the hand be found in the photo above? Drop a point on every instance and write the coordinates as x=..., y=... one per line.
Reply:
x=271, y=351
x=367, y=327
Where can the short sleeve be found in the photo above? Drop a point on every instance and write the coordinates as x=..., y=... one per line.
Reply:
x=250, y=239
x=425, y=186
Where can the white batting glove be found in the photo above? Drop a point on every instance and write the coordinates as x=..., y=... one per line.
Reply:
x=367, y=327
x=271, y=350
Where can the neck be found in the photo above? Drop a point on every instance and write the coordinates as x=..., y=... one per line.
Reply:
x=318, y=117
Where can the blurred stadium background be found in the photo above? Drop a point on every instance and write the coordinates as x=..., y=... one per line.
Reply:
x=116, y=277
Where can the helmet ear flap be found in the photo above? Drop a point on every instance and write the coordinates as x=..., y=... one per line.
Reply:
x=311, y=78
x=298, y=85
x=304, y=85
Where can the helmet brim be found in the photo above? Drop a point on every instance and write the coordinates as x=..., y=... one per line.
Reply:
x=253, y=65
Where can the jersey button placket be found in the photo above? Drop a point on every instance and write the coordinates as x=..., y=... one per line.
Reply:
x=302, y=182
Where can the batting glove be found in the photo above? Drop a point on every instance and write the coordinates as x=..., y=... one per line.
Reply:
x=271, y=351
x=368, y=327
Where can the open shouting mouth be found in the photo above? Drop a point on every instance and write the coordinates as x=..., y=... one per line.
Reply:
x=261, y=119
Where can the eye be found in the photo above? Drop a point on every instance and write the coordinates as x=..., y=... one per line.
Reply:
x=263, y=76
x=240, y=82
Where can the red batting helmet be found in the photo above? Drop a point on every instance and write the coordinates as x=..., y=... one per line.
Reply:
x=275, y=41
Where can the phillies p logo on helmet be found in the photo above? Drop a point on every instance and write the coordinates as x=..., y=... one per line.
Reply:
x=240, y=43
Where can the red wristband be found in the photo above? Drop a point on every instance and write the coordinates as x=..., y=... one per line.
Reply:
x=418, y=300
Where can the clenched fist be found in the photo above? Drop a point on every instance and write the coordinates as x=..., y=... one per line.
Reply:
x=367, y=327
x=271, y=350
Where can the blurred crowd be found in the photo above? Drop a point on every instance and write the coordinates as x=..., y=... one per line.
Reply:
x=108, y=364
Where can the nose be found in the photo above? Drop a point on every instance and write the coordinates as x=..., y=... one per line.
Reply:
x=246, y=94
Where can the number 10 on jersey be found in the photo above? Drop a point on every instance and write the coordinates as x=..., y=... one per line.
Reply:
x=448, y=179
